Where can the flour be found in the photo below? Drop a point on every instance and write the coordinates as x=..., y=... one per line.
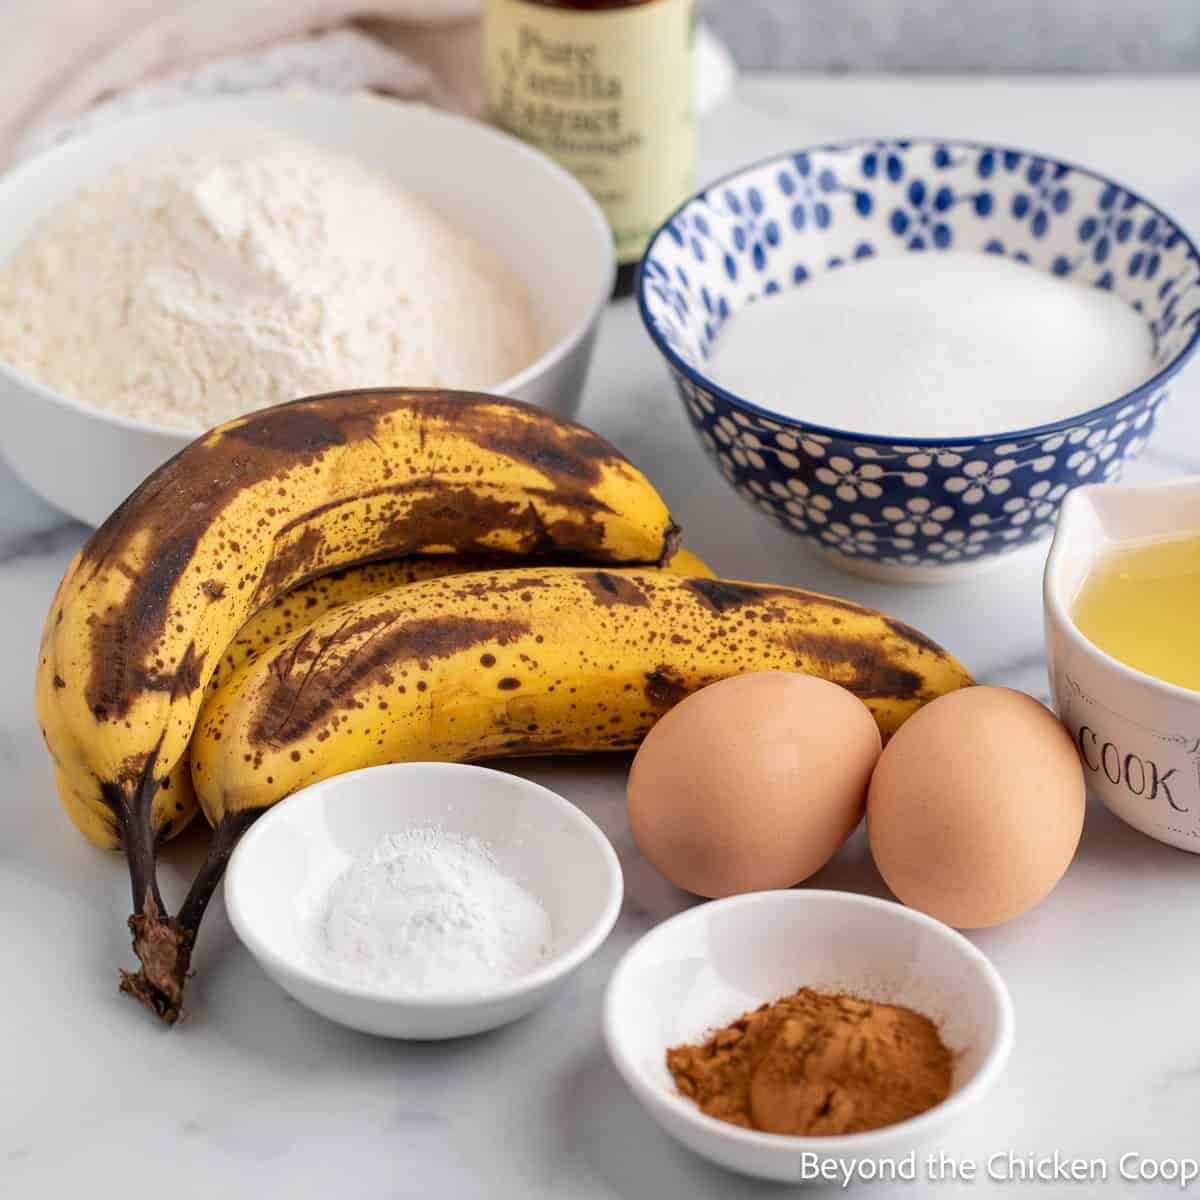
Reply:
x=243, y=268
x=934, y=345
x=425, y=912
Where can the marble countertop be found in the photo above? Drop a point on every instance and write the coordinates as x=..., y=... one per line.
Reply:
x=254, y=1095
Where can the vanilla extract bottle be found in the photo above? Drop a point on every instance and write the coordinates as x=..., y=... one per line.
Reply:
x=604, y=87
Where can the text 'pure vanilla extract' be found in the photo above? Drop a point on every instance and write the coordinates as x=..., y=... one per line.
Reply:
x=604, y=87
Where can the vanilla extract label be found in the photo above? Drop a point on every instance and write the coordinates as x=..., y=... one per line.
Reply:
x=607, y=94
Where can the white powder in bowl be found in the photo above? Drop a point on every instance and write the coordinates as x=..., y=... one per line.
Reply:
x=245, y=267
x=426, y=911
x=930, y=345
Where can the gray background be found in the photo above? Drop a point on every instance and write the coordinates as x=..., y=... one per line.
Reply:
x=961, y=35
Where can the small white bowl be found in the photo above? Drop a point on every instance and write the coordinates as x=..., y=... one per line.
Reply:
x=295, y=851
x=524, y=207
x=708, y=965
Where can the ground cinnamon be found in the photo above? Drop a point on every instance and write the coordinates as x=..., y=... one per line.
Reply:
x=817, y=1064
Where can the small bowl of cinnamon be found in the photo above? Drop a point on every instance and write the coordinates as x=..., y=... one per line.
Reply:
x=786, y=1034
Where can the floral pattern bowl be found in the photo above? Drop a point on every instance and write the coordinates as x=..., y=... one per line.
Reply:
x=915, y=509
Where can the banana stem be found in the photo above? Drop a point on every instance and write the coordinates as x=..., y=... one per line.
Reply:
x=671, y=541
x=164, y=948
x=137, y=839
x=225, y=837
x=163, y=944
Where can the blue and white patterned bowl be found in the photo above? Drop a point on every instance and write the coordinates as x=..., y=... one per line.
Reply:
x=916, y=508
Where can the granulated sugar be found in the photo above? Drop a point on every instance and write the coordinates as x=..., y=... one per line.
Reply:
x=933, y=345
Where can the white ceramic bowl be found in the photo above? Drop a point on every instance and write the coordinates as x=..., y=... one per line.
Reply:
x=528, y=210
x=712, y=963
x=1137, y=736
x=296, y=850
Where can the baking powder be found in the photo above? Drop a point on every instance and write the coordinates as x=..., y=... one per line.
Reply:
x=424, y=912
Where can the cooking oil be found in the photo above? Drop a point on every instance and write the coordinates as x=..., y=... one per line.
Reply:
x=1141, y=604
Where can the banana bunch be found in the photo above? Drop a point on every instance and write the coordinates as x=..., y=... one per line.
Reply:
x=361, y=578
x=142, y=617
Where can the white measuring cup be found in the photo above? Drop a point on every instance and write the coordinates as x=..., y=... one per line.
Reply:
x=1138, y=736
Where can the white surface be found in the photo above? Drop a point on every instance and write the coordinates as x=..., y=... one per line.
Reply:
x=956, y=345
x=1140, y=736
x=253, y=1095
x=292, y=855
x=713, y=72
x=525, y=209
x=708, y=966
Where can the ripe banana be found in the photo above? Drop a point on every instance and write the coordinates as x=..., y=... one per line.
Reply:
x=523, y=661
x=253, y=508
x=304, y=605
x=299, y=608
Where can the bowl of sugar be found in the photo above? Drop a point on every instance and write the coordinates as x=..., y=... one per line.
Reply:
x=908, y=352
x=423, y=900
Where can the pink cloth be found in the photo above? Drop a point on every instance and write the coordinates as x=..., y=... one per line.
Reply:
x=72, y=63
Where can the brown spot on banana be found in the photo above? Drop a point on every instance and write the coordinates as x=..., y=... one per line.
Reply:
x=664, y=688
x=121, y=634
x=312, y=680
x=552, y=449
x=908, y=633
x=720, y=595
x=296, y=430
x=608, y=589
x=724, y=595
x=862, y=666
x=188, y=673
x=295, y=558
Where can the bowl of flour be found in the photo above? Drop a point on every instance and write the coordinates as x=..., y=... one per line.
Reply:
x=423, y=900
x=176, y=270
x=907, y=352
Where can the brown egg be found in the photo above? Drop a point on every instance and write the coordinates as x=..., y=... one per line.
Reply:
x=752, y=783
x=976, y=807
